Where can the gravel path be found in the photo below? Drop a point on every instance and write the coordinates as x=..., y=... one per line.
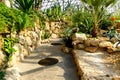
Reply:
x=63, y=70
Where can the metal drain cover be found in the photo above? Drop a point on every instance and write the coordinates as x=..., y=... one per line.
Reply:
x=56, y=43
x=48, y=61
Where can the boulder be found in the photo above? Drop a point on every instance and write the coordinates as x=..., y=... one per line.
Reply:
x=103, y=38
x=12, y=62
x=28, y=41
x=94, y=42
x=81, y=37
x=111, y=49
x=81, y=46
x=105, y=44
x=24, y=51
x=21, y=39
x=18, y=51
x=76, y=42
x=91, y=49
x=54, y=36
x=87, y=42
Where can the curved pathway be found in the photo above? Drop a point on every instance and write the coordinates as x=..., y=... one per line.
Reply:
x=63, y=70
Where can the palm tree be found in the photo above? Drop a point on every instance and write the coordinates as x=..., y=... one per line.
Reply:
x=97, y=9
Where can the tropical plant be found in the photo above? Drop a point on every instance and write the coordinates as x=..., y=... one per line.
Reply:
x=98, y=10
x=83, y=20
x=24, y=5
x=54, y=13
x=8, y=47
x=12, y=19
x=8, y=50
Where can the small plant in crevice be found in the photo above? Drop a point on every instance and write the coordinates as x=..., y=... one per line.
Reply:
x=8, y=50
x=45, y=34
x=2, y=75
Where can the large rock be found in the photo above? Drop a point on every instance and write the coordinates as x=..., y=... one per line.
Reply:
x=103, y=39
x=12, y=74
x=97, y=66
x=105, y=44
x=54, y=36
x=21, y=39
x=81, y=46
x=81, y=37
x=18, y=52
x=91, y=49
x=12, y=62
x=28, y=41
x=76, y=42
x=24, y=51
x=87, y=42
x=94, y=42
x=111, y=49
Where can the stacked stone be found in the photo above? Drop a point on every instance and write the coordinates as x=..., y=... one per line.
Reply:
x=82, y=42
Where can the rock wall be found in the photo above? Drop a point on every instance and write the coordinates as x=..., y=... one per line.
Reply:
x=55, y=28
x=82, y=42
x=28, y=41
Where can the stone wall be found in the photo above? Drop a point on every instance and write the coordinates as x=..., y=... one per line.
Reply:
x=28, y=41
x=55, y=28
x=82, y=42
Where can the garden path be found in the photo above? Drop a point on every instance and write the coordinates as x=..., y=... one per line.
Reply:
x=63, y=70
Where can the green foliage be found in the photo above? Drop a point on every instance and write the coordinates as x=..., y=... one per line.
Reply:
x=11, y=19
x=83, y=20
x=54, y=13
x=45, y=34
x=105, y=23
x=42, y=19
x=24, y=5
x=97, y=8
x=8, y=47
x=2, y=75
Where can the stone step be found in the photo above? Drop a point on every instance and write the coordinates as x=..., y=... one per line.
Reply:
x=97, y=66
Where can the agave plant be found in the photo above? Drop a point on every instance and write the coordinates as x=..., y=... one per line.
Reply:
x=97, y=9
x=24, y=5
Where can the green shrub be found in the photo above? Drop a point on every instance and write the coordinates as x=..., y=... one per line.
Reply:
x=2, y=75
x=12, y=19
x=45, y=35
x=83, y=21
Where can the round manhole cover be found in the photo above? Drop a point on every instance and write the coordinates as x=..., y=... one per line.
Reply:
x=48, y=61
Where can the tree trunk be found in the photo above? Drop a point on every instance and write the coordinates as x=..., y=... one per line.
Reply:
x=94, y=31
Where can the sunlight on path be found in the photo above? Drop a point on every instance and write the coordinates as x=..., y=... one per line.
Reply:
x=63, y=70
